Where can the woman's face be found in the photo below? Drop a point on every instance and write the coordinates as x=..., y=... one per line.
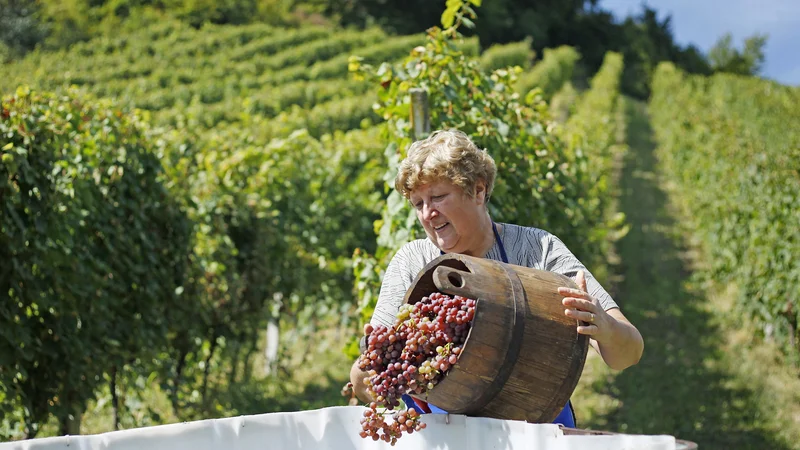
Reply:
x=451, y=218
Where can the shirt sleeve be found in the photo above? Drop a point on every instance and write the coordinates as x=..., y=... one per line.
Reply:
x=397, y=279
x=558, y=258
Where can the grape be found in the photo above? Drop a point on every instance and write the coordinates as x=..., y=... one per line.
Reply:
x=412, y=356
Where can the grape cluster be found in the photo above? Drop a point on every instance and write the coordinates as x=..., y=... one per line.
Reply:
x=373, y=424
x=411, y=357
x=348, y=391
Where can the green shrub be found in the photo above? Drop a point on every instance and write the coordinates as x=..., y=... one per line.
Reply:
x=550, y=73
x=501, y=56
x=94, y=246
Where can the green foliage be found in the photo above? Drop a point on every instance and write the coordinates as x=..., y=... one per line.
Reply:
x=20, y=27
x=725, y=58
x=550, y=73
x=593, y=130
x=725, y=144
x=303, y=94
x=6, y=53
x=56, y=24
x=199, y=12
x=95, y=249
x=264, y=70
x=563, y=102
x=320, y=50
x=540, y=183
x=459, y=12
x=264, y=245
x=542, y=21
x=269, y=44
x=502, y=56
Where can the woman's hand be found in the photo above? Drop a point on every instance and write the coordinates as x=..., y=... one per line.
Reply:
x=582, y=306
x=357, y=375
x=611, y=334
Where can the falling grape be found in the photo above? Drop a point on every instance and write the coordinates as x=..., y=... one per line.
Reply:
x=411, y=357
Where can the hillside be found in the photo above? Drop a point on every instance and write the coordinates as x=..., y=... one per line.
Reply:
x=225, y=75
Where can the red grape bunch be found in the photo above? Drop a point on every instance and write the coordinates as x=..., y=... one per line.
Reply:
x=373, y=424
x=411, y=357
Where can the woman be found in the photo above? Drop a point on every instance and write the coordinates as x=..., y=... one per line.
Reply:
x=449, y=181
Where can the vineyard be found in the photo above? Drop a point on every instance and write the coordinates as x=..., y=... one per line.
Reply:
x=170, y=194
x=730, y=146
x=253, y=138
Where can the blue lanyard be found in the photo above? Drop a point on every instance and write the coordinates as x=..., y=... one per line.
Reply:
x=499, y=244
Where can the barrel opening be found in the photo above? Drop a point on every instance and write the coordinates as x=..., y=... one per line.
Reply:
x=456, y=279
x=423, y=285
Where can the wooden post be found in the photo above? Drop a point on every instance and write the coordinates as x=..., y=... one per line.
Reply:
x=420, y=114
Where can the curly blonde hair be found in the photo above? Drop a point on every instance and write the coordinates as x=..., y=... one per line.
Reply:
x=450, y=155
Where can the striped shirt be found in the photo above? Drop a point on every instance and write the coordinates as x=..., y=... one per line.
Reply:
x=524, y=246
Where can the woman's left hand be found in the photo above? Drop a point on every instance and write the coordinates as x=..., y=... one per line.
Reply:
x=596, y=322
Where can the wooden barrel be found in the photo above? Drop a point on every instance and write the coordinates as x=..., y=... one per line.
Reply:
x=523, y=357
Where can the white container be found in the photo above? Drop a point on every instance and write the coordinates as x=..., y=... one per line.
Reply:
x=336, y=428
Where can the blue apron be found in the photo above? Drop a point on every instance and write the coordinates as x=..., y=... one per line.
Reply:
x=567, y=415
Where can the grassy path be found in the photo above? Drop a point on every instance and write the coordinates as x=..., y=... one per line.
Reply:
x=701, y=378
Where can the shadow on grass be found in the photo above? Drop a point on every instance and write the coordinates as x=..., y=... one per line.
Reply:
x=679, y=387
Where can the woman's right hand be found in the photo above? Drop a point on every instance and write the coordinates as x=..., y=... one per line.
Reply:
x=357, y=375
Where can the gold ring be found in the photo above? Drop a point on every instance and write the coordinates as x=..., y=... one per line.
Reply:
x=591, y=320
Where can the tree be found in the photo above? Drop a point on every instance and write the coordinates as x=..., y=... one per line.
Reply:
x=20, y=28
x=749, y=61
x=502, y=21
